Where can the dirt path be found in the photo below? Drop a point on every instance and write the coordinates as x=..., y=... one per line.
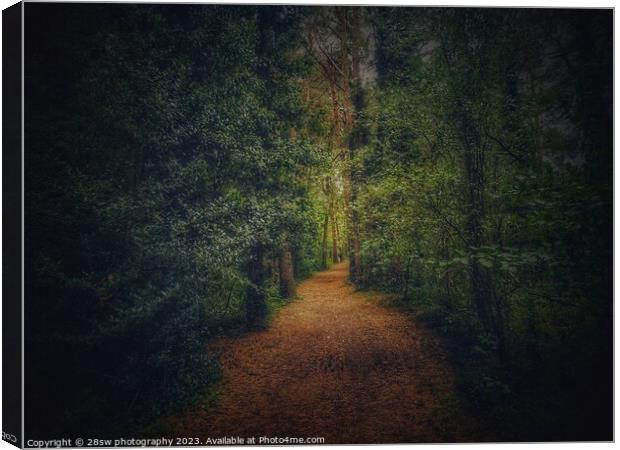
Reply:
x=335, y=364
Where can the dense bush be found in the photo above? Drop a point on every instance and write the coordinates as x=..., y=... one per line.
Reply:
x=154, y=170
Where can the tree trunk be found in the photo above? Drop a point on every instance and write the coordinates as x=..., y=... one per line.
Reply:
x=488, y=305
x=335, y=130
x=406, y=279
x=324, y=247
x=474, y=170
x=334, y=239
x=354, y=106
x=338, y=240
x=275, y=271
x=287, y=274
x=255, y=295
x=356, y=260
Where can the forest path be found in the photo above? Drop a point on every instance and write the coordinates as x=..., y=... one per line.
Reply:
x=334, y=364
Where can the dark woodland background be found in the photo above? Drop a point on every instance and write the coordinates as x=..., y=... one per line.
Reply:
x=186, y=164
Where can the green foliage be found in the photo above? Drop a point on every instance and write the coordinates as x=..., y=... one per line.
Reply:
x=168, y=161
x=520, y=229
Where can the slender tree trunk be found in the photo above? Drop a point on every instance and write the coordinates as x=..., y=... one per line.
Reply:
x=345, y=66
x=338, y=240
x=487, y=304
x=324, y=247
x=334, y=239
x=335, y=130
x=353, y=107
x=255, y=295
x=356, y=260
x=287, y=274
x=473, y=157
x=275, y=271
x=406, y=278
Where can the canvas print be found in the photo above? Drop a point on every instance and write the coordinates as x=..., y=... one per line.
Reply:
x=251, y=225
